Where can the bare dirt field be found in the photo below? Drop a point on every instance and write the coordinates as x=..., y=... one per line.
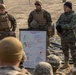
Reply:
x=20, y=9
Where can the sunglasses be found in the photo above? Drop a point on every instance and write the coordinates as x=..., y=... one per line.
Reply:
x=37, y=4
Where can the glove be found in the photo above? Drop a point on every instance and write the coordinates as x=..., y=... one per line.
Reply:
x=59, y=29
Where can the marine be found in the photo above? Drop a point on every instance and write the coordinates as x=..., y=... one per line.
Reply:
x=66, y=28
x=7, y=23
x=11, y=53
x=72, y=71
x=40, y=19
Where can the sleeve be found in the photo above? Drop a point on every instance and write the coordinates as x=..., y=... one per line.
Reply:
x=48, y=18
x=30, y=19
x=58, y=25
x=59, y=20
x=13, y=22
x=72, y=24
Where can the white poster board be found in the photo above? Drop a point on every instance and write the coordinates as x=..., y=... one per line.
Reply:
x=34, y=45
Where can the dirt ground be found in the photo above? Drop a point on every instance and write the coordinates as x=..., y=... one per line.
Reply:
x=20, y=9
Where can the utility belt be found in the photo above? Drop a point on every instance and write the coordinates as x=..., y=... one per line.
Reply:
x=4, y=29
x=4, y=34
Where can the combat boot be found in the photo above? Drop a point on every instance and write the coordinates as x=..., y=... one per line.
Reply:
x=66, y=65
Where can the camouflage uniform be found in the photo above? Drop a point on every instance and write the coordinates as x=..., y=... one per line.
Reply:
x=7, y=23
x=11, y=52
x=72, y=71
x=55, y=62
x=9, y=70
x=43, y=19
x=6, y=32
x=67, y=21
x=43, y=23
x=59, y=73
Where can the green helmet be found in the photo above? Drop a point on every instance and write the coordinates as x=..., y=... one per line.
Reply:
x=54, y=61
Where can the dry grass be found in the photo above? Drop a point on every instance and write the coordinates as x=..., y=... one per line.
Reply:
x=21, y=9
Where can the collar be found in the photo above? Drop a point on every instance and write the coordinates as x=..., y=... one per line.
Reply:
x=69, y=12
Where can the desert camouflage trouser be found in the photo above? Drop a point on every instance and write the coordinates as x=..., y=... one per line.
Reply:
x=66, y=45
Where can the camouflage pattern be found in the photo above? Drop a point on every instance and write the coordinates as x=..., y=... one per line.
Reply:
x=67, y=21
x=13, y=22
x=54, y=61
x=6, y=32
x=59, y=73
x=44, y=14
x=72, y=71
x=4, y=22
x=43, y=19
x=9, y=70
x=43, y=68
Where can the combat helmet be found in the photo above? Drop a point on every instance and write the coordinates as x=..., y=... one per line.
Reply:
x=2, y=6
x=38, y=2
x=43, y=68
x=54, y=60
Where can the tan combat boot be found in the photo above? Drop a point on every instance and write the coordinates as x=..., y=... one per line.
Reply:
x=66, y=65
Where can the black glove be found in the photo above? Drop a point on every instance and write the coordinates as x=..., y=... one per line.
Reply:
x=59, y=29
